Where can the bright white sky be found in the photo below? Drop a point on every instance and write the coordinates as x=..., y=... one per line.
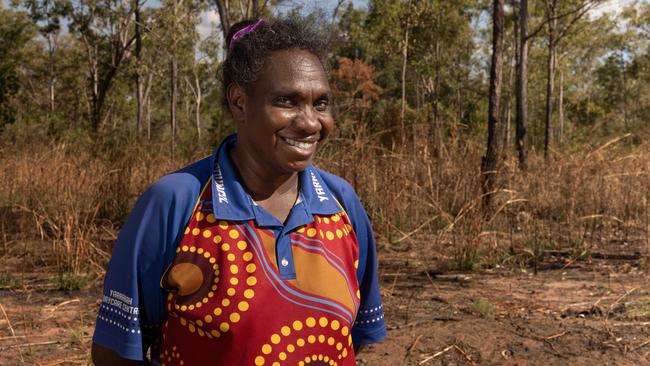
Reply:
x=615, y=6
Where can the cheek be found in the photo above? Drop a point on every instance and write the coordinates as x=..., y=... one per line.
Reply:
x=328, y=124
x=277, y=118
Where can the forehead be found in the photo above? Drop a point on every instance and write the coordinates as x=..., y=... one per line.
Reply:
x=291, y=69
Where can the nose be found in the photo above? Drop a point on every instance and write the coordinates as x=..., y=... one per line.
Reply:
x=308, y=120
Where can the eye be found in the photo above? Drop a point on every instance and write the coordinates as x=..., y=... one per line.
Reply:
x=283, y=101
x=322, y=105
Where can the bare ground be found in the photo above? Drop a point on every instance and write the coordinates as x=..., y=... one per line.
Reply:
x=572, y=312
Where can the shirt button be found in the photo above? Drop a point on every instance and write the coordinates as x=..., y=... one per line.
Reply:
x=284, y=262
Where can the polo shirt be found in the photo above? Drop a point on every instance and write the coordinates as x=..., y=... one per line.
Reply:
x=267, y=293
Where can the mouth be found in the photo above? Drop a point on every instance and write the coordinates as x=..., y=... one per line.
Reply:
x=300, y=144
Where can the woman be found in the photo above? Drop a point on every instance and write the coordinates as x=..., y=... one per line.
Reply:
x=252, y=256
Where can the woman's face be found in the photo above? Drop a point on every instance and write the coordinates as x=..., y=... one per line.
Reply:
x=286, y=113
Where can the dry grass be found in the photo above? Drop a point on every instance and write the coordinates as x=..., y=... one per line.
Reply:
x=70, y=199
x=61, y=204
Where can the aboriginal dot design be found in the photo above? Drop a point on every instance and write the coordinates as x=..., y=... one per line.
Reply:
x=171, y=357
x=209, y=323
x=330, y=227
x=210, y=269
x=295, y=342
x=228, y=295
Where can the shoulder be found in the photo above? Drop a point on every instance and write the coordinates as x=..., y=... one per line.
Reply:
x=341, y=189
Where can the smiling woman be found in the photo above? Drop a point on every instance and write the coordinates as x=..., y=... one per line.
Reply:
x=252, y=256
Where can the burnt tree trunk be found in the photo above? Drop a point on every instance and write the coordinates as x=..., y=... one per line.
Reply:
x=521, y=96
x=490, y=160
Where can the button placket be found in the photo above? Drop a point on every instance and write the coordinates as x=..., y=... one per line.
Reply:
x=285, y=256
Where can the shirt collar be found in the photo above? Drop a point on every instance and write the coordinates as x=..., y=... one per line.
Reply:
x=231, y=202
x=317, y=196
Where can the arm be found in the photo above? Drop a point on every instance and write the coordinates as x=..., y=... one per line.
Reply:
x=369, y=325
x=131, y=309
x=103, y=356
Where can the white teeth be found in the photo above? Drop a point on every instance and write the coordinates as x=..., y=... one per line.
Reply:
x=299, y=144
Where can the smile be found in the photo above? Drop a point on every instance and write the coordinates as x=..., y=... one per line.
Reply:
x=303, y=145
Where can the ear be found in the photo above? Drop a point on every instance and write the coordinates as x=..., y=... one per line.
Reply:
x=236, y=102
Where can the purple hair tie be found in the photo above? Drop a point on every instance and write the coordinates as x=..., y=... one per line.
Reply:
x=244, y=31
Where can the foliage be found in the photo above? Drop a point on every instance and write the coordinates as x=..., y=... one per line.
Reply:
x=15, y=32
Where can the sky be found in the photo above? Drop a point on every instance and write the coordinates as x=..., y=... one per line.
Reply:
x=614, y=6
x=210, y=19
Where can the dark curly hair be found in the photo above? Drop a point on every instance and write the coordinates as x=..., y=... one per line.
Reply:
x=246, y=57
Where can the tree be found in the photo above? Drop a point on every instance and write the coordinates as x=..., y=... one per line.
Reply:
x=521, y=80
x=490, y=160
x=104, y=27
x=555, y=35
x=438, y=76
x=47, y=15
x=140, y=96
x=15, y=31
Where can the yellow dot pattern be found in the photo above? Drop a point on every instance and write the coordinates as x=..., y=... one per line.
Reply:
x=229, y=311
x=171, y=356
x=215, y=268
x=275, y=350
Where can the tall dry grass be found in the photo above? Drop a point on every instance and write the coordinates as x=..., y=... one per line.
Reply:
x=61, y=204
x=427, y=199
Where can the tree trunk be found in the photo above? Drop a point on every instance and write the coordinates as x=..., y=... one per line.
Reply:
x=560, y=109
x=522, y=76
x=404, y=62
x=490, y=160
x=506, y=130
x=197, y=85
x=224, y=18
x=550, y=73
x=50, y=71
x=511, y=74
x=256, y=9
x=148, y=99
x=138, y=78
x=173, y=88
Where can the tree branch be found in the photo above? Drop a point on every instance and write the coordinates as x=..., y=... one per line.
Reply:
x=580, y=8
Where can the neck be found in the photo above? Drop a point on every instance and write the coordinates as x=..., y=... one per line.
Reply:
x=261, y=182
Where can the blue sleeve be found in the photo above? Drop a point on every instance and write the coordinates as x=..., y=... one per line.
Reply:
x=131, y=310
x=369, y=326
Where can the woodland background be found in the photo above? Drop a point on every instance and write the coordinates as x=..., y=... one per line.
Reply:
x=480, y=135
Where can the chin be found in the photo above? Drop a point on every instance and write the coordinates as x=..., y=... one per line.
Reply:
x=297, y=166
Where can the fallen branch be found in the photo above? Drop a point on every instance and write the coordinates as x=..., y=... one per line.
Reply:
x=436, y=355
x=23, y=345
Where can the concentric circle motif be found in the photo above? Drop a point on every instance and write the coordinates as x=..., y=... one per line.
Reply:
x=235, y=282
x=297, y=336
x=209, y=269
